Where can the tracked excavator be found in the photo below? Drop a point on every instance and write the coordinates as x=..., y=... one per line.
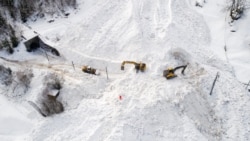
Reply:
x=88, y=69
x=170, y=72
x=138, y=66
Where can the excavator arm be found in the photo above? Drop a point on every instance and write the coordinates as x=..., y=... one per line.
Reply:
x=138, y=66
x=179, y=67
x=127, y=62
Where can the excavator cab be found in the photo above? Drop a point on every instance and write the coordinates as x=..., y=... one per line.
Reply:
x=138, y=66
x=170, y=72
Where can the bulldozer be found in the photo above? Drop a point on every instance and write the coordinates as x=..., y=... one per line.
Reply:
x=138, y=66
x=170, y=72
x=88, y=69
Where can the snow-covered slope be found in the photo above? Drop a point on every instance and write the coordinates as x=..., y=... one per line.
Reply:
x=129, y=106
x=230, y=40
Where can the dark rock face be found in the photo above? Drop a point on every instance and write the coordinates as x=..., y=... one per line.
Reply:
x=12, y=11
x=35, y=42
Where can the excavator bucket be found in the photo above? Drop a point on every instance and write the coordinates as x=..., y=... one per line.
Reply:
x=184, y=69
x=122, y=67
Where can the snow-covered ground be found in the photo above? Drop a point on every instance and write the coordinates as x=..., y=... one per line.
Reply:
x=161, y=33
x=232, y=37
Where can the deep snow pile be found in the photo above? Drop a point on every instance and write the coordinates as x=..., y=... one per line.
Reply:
x=103, y=34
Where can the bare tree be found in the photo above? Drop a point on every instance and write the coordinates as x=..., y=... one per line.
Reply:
x=6, y=76
x=237, y=8
x=23, y=79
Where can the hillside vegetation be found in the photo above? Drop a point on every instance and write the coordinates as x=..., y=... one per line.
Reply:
x=13, y=12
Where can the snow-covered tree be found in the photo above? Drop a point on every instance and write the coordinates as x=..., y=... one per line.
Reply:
x=13, y=11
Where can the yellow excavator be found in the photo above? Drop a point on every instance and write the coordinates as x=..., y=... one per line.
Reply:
x=88, y=69
x=170, y=72
x=138, y=66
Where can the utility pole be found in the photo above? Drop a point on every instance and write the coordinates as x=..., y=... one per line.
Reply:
x=248, y=84
x=73, y=66
x=46, y=55
x=217, y=75
x=107, y=73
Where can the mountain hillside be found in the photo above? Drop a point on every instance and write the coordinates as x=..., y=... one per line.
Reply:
x=16, y=12
x=125, y=105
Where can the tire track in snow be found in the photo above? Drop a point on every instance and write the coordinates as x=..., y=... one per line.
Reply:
x=163, y=26
x=153, y=18
x=93, y=57
x=96, y=24
x=170, y=11
x=57, y=68
x=113, y=34
x=64, y=69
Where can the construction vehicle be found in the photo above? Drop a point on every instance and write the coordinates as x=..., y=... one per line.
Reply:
x=170, y=72
x=88, y=69
x=138, y=66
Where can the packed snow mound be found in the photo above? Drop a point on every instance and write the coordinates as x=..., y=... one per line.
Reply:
x=13, y=121
x=125, y=105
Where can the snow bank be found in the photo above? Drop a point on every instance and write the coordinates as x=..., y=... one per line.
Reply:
x=14, y=124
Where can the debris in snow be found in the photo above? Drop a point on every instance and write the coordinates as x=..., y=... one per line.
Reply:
x=50, y=21
x=37, y=108
x=48, y=100
x=200, y=3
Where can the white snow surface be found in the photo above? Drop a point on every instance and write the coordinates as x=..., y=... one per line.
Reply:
x=160, y=33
